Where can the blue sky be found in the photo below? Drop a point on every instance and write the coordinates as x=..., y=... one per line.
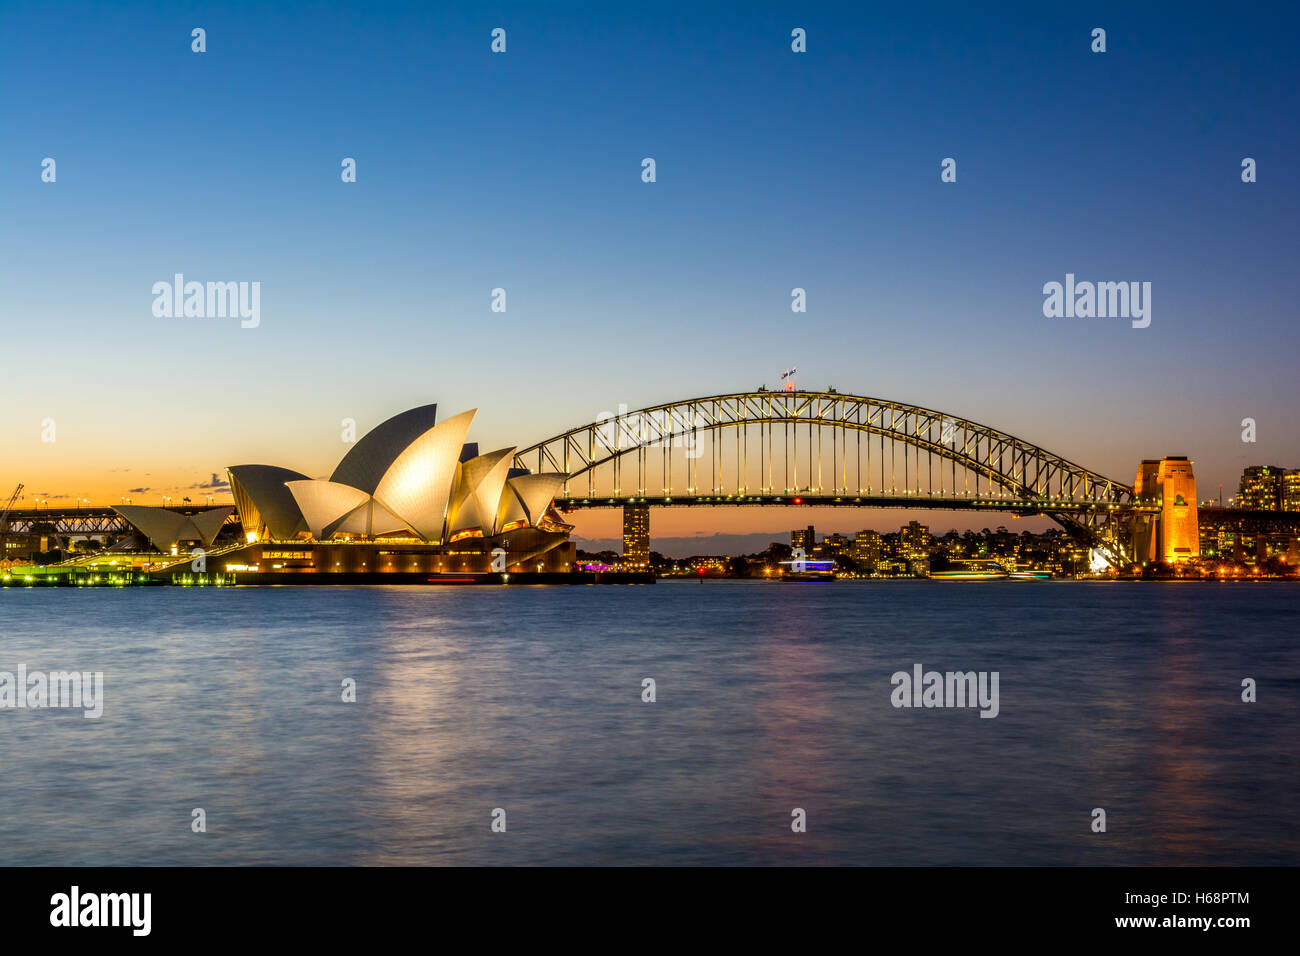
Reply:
x=522, y=170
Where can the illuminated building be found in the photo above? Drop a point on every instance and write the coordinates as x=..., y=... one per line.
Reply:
x=834, y=544
x=865, y=549
x=411, y=497
x=1172, y=535
x=169, y=531
x=914, y=540
x=709, y=564
x=1291, y=490
x=636, y=535
x=266, y=506
x=893, y=567
x=805, y=539
x=1261, y=488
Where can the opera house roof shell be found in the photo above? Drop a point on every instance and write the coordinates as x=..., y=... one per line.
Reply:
x=165, y=528
x=409, y=477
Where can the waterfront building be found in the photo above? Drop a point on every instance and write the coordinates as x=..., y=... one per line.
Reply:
x=891, y=566
x=866, y=549
x=636, y=536
x=1291, y=490
x=834, y=545
x=914, y=541
x=411, y=496
x=1261, y=488
x=170, y=531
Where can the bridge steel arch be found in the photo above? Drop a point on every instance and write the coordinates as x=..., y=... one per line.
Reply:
x=1010, y=473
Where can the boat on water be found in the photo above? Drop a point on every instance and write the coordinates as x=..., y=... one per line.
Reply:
x=993, y=573
x=807, y=569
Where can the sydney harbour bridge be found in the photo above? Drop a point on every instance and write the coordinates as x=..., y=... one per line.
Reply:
x=799, y=448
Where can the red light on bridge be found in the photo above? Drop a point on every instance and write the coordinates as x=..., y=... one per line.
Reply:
x=798, y=501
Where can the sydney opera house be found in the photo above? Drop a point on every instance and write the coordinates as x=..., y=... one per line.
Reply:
x=411, y=499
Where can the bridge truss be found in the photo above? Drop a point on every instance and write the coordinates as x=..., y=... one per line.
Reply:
x=826, y=448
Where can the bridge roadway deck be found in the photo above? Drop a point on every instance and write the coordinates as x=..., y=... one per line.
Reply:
x=849, y=500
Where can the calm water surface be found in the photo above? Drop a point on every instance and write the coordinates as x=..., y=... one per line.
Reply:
x=770, y=696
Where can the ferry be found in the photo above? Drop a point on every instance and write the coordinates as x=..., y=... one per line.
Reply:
x=1031, y=575
x=968, y=575
x=807, y=569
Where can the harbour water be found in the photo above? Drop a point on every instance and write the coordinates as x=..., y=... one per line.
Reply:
x=769, y=697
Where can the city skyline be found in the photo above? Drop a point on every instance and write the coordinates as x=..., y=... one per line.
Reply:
x=597, y=528
x=793, y=172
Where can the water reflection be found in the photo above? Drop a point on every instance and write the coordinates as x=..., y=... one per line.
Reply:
x=770, y=697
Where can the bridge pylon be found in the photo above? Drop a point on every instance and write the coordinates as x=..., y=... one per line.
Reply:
x=1172, y=534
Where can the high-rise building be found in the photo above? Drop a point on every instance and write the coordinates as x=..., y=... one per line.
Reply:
x=805, y=539
x=914, y=540
x=636, y=535
x=1260, y=488
x=1291, y=490
x=834, y=544
x=865, y=549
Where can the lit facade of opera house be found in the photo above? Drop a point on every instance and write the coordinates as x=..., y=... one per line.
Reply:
x=411, y=499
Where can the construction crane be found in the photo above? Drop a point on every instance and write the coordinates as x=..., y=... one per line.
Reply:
x=10, y=503
x=5, y=514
